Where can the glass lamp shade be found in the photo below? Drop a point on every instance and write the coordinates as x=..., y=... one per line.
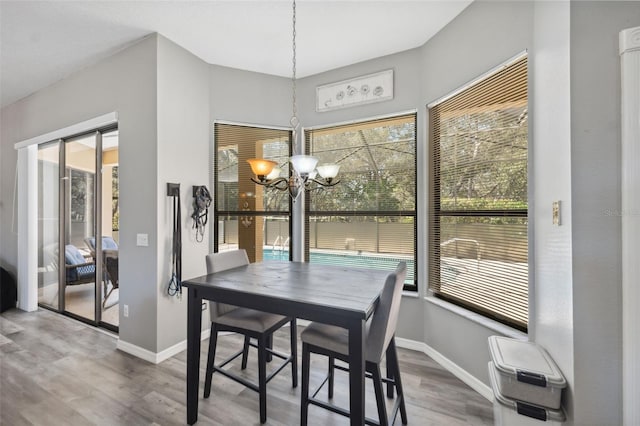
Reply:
x=328, y=171
x=275, y=173
x=303, y=164
x=260, y=166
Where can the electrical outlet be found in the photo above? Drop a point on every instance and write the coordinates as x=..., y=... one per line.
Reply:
x=125, y=311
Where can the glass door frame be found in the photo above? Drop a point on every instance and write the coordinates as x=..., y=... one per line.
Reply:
x=65, y=223
x=64, y=228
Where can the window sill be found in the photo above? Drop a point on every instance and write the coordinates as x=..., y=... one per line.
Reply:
x=411, y=294
x=503, y=329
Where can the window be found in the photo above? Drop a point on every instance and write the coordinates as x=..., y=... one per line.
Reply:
x=478, y=246
x=369, y=218
x=247, y=215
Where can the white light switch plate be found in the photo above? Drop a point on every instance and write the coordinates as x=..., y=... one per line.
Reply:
x=142, y=240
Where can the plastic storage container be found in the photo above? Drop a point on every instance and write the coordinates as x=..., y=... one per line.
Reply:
x=526, y=372
x=509, y=412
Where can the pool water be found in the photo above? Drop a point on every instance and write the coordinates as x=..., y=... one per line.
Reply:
x=381, y=262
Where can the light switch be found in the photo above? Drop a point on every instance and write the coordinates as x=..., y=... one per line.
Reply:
x=142, y=240
x=556, y=213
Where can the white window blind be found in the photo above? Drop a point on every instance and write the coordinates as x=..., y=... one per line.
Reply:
x=248, y=215
x=478, y=244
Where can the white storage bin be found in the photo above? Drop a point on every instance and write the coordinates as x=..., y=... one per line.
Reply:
x=509, y=412
x=525, y=372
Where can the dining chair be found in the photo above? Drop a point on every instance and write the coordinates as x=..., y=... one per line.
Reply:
x=333, y=342
x=252, y=324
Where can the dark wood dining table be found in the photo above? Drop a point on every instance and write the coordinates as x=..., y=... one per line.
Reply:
x=336, y=295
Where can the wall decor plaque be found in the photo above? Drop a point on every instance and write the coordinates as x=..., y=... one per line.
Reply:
x=355, y=91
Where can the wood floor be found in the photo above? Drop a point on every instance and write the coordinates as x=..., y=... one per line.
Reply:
x=57, y=371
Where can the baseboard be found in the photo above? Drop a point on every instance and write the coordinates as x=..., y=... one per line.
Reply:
x=157, y=357
x=449, y=365
x=414, y=345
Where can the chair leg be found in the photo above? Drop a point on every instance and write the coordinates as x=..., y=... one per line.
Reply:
x=294, y=353
x=107, y=294
x=395, y=365
x=379, y=391
x=332, y=364
x=262, y=377
x=389, y=373
x=304, y=400
x=210, y=359
x=245, y=352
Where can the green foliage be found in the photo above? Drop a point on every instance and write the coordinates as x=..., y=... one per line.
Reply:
x=483, y=160
x=377, y=168
x=481, y=204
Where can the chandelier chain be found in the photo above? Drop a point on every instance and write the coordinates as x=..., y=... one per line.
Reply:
x=303, y=175
x=293, y=74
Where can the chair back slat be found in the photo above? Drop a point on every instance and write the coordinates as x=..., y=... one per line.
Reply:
x=218, y=262
x=385, y=318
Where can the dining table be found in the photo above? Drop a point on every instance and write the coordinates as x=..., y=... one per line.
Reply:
x=343, y=296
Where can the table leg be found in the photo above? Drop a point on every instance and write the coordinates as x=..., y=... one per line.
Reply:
x=356, y=372
x=194, y=324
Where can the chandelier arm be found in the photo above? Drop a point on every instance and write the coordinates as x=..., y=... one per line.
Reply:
x=282, y=184
x=273, y=183
x=325, y=183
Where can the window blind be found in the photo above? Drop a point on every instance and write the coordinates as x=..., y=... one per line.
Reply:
x=478, y=242
x=248, y=215
x=369, y=218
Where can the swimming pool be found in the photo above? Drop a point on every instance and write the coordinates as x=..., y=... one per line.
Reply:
x=373, y=261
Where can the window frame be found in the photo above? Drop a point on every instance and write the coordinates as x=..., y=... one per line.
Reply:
x=436, y=213
x=214, y=230
x=361, y=213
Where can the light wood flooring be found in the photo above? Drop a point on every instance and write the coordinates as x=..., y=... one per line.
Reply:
x=57, y=371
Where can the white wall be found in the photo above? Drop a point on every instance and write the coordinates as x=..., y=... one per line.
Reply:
x=596, y=224
x=183, y=157
x=551, y=293
x=124, y=83
x=249, y=98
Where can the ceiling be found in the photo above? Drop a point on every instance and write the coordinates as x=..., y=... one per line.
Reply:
x=42, y=42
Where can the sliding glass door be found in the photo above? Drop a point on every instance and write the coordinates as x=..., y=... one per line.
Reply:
x=77, y=207
x=80, y=222
x=110, y=228
x=48, y=225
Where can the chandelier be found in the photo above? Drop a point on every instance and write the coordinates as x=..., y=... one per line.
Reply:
x=306, y=174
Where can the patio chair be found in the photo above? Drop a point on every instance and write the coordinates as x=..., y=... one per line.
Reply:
x=78, y=269
x=110, y=263
x=108, y=244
